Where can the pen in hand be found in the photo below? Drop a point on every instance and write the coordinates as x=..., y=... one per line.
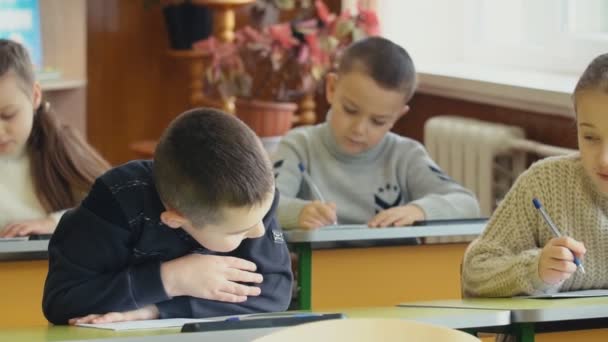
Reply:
x=311, y=184
x=554, y=229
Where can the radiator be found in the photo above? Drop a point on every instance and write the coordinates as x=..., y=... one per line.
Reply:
x=484, y=157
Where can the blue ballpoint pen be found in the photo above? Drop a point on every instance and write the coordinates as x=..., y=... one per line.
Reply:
x=311, y=184
x=272, y=315
x=553, y=227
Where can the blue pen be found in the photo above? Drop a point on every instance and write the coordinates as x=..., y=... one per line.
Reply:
x=311, y=184
x=553, y=227
x=262, y=316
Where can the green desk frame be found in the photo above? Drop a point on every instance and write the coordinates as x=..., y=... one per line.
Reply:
x=303, y=240
x=304, y=252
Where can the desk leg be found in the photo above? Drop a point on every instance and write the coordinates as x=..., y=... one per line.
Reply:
x=304, y=275
x=524, y=332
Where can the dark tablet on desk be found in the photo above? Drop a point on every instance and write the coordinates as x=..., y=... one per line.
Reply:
x=251, y=322
x=40, y=237
x=448, y=222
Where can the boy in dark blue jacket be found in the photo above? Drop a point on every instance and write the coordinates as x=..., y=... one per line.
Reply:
x=192, y=234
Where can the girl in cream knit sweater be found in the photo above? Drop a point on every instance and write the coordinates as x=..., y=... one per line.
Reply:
x=517, y=254
x=45, y=166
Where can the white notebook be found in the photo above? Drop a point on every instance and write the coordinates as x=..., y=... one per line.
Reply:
x=573, y=294
x=146, y=324
x=18, y=238
x=179, y=322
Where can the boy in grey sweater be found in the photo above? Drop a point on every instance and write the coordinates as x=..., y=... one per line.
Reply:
x=366, y=174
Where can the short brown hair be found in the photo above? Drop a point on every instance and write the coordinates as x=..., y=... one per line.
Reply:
x=387, y=63
x=595, y=75
x=207, y=160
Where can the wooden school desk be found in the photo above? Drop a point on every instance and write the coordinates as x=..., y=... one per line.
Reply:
x=462, y=319
x=374, y=275
x=532, y=316
x=23, y=269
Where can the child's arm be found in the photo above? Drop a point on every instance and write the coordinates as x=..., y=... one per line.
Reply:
x=269, y=253
x=147, y=312
x=433, y=191
x=504, y=260
x=29, y=227
x=89, y=263
x=294, y=212
x=317, y=214
x=56, y=216
x=404, y=215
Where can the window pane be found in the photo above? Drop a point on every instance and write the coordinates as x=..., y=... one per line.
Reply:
x=588, y=16
x=500, y=22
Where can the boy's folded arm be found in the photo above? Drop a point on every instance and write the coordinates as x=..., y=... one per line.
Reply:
x=436, y=193
x=271, y=256
x=275, y=296
x=89, y=268
x=448, y=206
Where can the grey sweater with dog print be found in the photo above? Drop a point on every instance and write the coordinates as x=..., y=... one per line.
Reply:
x=397, y=171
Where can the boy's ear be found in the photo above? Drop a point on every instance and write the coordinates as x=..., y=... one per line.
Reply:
x=173, y=219
x=330, y=86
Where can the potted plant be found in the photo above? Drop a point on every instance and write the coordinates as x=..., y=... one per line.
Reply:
x=267, y=70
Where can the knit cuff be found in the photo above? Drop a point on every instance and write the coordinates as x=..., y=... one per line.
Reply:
x=289, y=211
x=433, y=210
x=538, y=285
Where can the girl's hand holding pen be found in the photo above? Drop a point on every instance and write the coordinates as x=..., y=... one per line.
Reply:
x=561, y=256
x=556, y=262
x=317, y=214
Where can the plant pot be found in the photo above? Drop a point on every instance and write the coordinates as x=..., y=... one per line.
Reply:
x=267, y=119
x=187, y=23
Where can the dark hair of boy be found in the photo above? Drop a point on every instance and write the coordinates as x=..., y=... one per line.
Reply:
x=384, y=61
x=207, y=160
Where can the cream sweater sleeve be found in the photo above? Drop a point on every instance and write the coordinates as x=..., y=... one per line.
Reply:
x=503, y=261
x=56, y=216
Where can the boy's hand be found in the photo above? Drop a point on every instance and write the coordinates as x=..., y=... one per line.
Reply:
x=556, y=262
x=23, y=228
x=211, y=277
x=147, y=312
x=317, y=214
x=397, y=216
